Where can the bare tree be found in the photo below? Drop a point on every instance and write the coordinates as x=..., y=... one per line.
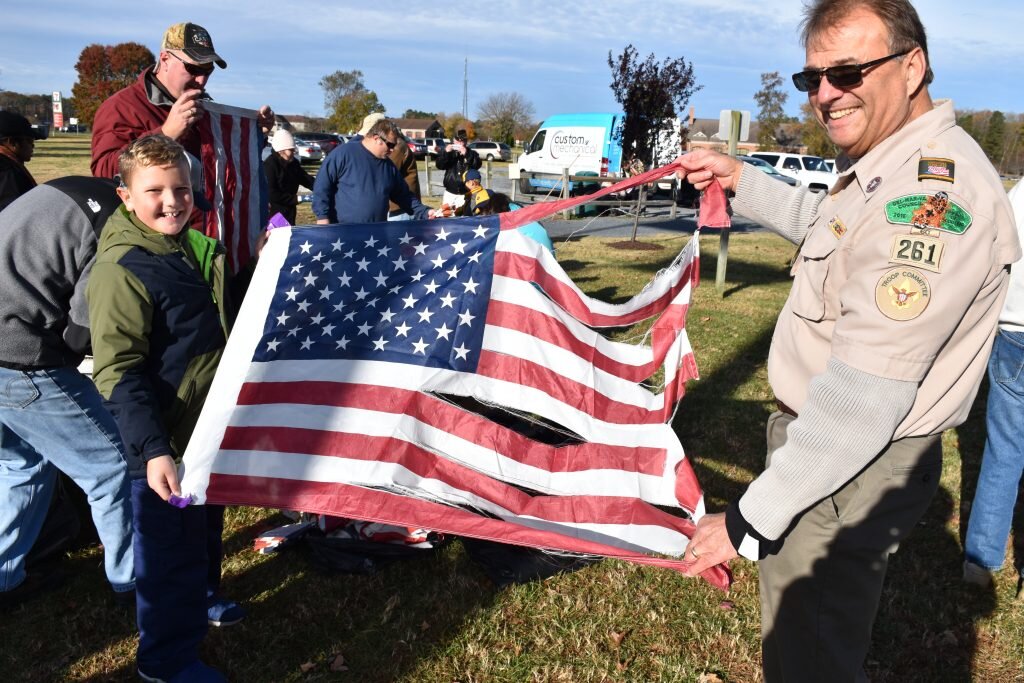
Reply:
x=650, y=94
x=503, y=113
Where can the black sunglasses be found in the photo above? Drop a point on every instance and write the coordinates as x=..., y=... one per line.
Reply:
x=842, y=76
x=194, y=69
x=391, y=145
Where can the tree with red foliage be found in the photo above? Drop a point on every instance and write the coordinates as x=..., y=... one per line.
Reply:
x=105, y=69
x=650, y=94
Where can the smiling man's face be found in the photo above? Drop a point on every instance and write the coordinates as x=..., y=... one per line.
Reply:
x=858, y=118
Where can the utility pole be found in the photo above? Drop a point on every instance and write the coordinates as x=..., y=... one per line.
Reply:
x=465, y=89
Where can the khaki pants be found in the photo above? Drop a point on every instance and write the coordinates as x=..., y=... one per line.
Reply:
x=820, y=592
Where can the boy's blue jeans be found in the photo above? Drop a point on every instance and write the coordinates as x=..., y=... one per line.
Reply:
x=1003, y=462
x=55, y=419
x=177, y=566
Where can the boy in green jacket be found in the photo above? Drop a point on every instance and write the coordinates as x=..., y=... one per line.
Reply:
x=159, y=325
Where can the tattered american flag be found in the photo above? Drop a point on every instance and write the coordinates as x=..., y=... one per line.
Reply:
x=329, y=398
x=231, y=169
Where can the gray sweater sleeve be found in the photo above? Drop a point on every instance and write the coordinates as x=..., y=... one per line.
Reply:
x=848, y=419
x=787, y=210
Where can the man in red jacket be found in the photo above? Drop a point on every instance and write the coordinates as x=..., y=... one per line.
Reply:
x=164, y=99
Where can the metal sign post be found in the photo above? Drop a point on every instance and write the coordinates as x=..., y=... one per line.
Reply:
x=734, y=125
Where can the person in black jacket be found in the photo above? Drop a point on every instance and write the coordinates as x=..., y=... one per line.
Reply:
x=455, y=159
x=284, y=175
x=17, y=142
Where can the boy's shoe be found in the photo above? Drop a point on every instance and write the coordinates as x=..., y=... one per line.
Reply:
x=976, y=574
x=222, y=612
x=196, y=672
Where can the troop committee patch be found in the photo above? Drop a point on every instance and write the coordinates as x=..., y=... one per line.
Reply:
x=902, y=294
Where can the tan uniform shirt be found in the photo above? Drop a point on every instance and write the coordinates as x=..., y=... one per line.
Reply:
x=902, y=274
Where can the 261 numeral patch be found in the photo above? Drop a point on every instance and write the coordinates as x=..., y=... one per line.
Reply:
x=920, y=251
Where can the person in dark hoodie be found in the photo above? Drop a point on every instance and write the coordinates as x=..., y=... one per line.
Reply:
x=51, y=416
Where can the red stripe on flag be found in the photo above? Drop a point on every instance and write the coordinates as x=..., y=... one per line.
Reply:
x=229, y=230
x=570, y=392
x=245, y=188
x=550, y=329
x=570, y=509
x=530, y=270
x=387, y=508
x=461, y=423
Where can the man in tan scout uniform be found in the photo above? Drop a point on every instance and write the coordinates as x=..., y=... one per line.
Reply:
x=881, y=345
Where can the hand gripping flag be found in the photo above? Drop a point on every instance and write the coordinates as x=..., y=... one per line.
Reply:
x=229, y=137
x=331, y=394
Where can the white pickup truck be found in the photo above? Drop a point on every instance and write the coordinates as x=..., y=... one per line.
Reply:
x=811, y=171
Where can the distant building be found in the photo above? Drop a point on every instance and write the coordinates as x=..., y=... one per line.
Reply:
x=420, y=128
x=298, y=123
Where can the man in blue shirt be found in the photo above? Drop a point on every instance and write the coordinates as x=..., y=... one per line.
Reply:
x=358, y=179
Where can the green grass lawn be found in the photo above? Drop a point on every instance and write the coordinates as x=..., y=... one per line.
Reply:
x=440, y=619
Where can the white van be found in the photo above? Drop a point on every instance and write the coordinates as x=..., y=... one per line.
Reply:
x=809, y=170
x=582, y=143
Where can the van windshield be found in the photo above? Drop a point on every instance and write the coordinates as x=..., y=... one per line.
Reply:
x=538, y=142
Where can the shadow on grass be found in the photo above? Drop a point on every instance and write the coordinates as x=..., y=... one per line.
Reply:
x=381, y=624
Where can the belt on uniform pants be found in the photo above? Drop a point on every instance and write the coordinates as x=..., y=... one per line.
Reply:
x=783, y=408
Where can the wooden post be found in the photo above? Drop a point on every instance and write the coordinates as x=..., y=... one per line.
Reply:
x=641, y=196
x=723, y=238
x=565, y=191
x=674, y=193
x=487, y=171
x=426, y=165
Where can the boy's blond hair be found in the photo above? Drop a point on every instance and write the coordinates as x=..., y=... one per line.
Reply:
x=150, y=150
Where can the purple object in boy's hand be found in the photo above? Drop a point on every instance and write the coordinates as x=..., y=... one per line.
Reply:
x=277, y=221
x=180, y=501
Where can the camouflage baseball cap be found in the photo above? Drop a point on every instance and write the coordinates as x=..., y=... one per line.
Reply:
x=194, y=42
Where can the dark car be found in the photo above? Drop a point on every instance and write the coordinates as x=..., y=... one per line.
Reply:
x=418, y=147
x=327, y=141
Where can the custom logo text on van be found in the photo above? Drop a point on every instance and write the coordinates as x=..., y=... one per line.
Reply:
x=567, y=144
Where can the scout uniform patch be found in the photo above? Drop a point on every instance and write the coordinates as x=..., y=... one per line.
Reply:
x=934, y=211
x=837, y=227
x=902, y=294
x=935, y=168
x=919, y=250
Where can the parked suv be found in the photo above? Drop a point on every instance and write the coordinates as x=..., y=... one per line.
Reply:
x=809, y=170
x=434, y=146
x=492, y=150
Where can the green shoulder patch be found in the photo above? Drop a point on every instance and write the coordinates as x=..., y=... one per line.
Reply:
x=935, y=168
x=935, y=211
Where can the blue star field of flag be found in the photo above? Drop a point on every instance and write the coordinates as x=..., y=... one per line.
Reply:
x=408, y=292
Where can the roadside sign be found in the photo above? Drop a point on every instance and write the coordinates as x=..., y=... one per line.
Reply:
x=725, y=125
x=58, y=111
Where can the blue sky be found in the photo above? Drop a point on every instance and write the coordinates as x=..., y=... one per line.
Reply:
x=553, y=53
